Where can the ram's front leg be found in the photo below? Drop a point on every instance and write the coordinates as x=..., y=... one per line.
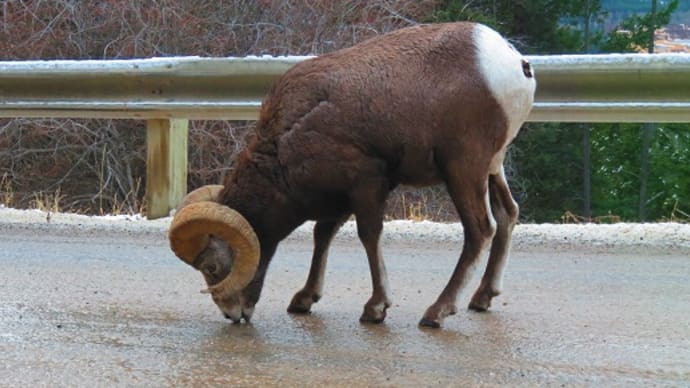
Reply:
x=324, y=231
x=369, y=206
x=375, y=308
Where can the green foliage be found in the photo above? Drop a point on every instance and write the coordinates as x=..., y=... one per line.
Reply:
x=455, y=10
x=547, y=164
x=635, y=32
x=547, y=172
x=670, y=185
x=534, y=26
x=615, y=177
x=616, y=180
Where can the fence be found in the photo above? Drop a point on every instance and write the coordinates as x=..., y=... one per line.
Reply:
x=169, y=91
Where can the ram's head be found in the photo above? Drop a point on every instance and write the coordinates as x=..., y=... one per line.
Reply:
x=217, y=241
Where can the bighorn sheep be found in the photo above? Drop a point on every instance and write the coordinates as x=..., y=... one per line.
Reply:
x=419, y=106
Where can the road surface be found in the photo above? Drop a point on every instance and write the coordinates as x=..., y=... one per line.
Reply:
x=91, y=306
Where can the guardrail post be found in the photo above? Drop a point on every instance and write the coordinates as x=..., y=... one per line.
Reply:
x=166, y=165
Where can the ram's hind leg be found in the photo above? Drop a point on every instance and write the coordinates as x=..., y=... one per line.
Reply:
x=505, y=211
x=469, y=192
x=324, y=231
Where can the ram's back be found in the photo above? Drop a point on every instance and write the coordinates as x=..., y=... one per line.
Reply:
x=392, y=104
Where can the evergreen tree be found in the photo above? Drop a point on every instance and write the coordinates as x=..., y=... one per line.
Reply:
x=534, y=26
x=636, y=33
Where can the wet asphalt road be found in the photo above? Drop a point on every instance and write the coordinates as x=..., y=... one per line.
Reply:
x=90, y=308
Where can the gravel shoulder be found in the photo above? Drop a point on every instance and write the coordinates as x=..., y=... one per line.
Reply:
x=624, y=237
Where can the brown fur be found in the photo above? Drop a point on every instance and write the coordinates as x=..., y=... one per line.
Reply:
x=336, y=133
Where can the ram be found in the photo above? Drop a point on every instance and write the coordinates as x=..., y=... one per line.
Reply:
x=420, y=106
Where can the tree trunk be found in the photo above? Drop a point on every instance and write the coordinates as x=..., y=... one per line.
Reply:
x=586, y=143
x=646, y=137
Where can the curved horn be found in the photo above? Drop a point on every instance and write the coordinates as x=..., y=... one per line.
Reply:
x=203, y=193
x=189, y=233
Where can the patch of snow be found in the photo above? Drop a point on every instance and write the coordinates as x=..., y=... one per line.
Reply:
x=137, y=221
x=271, y=58
x=661, y=236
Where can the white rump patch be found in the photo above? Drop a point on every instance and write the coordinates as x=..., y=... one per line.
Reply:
x=501, y=67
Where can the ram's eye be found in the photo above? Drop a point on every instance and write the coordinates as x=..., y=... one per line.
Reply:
x=211, y=269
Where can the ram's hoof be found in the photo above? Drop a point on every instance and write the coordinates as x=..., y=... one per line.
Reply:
x=479, y=306
x=375, y=311
x=302, y=301
x=426, y=322
x=434, y=315
x=296, y=309
x=366, y=318
x=481, y=301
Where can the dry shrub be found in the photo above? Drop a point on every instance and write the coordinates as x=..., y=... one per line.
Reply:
x=213, y=145
x=52, y=29
x=98, y=166
x=95, y=165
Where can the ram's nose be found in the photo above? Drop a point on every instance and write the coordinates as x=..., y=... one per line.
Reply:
x=237, y=315
x=233, y=319
x=247, y=313
x=232, y=311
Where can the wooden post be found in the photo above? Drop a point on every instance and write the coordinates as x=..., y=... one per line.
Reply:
x=166, y=165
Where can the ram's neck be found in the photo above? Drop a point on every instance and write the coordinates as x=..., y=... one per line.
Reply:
x=256, y=190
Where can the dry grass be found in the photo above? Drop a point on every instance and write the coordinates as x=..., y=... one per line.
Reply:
x=47, y=202
x=678, y=215
x=6, y=191
x=421, y=204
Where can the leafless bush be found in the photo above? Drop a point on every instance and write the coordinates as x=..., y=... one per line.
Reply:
x=213, y=145
x=95, y=164
x=51, y=29
x=99, y=165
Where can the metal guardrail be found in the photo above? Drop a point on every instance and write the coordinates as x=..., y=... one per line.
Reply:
x=612, y=88
x=169, y=91
x=178, y=87
x=574, y=88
